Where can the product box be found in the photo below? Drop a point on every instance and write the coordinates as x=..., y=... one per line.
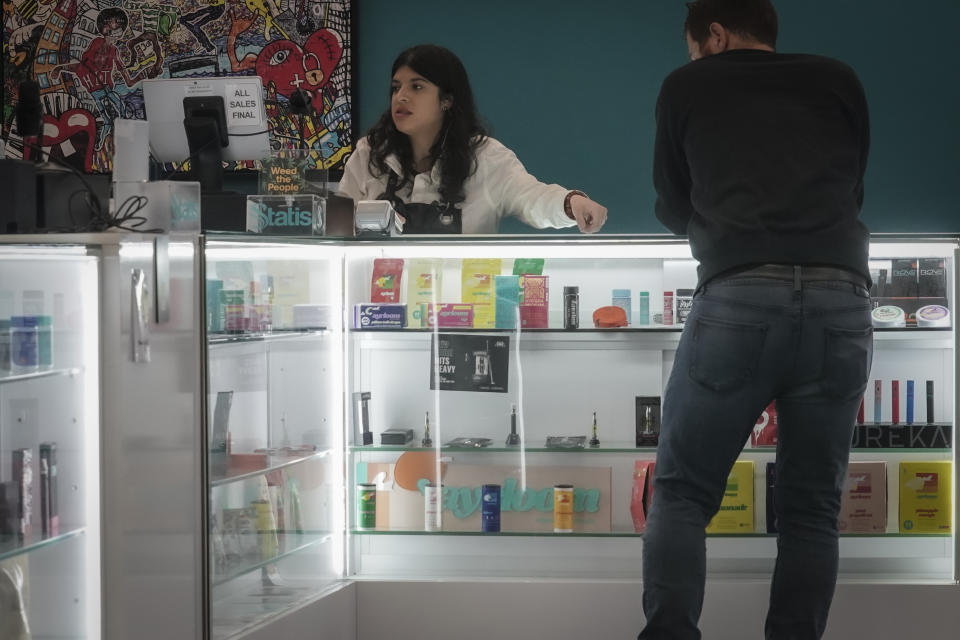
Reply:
x=49, y=513
x=534, y=302
x=648, y=420
x=385, y=282
x=903, y=279
x=507, y=291
x=684, y=304
x=424, y=285
x=449, y=316
x=23, y=477
x=771, y=497
x=736, y=510
x=476, y=287
x=863, y=508
x=379, y=316
x=932, y=280
x=621, y=298
x=925, y=489
x=765, y=430
x=642, y=493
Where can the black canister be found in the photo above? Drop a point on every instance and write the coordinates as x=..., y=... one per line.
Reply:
x=571, y=307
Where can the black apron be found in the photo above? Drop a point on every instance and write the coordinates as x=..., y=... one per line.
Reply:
x=420, y=217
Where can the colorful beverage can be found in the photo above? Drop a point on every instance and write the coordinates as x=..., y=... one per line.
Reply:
x=563, y=508
x=490, y=508
x=432, y=518
x=366, y=506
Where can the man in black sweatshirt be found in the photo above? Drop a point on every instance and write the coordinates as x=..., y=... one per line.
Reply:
x=759, y=160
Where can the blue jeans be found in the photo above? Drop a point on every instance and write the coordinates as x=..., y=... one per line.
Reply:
x=746, y=342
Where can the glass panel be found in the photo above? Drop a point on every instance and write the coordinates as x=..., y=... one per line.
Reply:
x=274, y=428
x=493, y=350
x=49, y=440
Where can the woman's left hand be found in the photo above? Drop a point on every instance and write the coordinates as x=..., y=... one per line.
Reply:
x=589, y=215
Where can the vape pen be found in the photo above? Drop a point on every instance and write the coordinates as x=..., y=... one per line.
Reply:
x=860, y=411
x=877, y=400
x=895, y=401
x=929, y=401
x=882, y=284
x=909, y=401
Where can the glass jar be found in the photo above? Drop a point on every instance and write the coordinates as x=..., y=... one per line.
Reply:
x=24, y=354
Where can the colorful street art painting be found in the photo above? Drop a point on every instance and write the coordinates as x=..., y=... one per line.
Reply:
x=89, y=57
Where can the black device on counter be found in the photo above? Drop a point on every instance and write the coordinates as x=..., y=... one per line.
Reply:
x=396, y=436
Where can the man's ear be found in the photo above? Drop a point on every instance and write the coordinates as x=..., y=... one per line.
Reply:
x=719, y=37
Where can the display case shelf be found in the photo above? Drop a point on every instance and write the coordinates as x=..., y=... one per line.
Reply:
x=35, y=375
x=11, y=546
x=294, y=542
x=275, y=463
x=242, y=338
x=613, y=447
x=614, y=534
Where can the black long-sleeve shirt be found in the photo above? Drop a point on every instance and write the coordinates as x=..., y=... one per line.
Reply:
x=760, y=157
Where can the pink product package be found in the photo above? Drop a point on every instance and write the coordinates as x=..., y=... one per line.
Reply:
x=534, y=301
x=642, y=495
x=765, y=431
x=450, y=315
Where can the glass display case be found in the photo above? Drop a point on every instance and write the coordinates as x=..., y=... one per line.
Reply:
x=50, y=560
x=539, y=366
x=274, y=428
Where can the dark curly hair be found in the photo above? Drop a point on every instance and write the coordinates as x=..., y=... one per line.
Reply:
x=462, y=132
x=754, y=19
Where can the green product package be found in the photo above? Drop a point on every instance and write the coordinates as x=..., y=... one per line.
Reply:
x=528, y=267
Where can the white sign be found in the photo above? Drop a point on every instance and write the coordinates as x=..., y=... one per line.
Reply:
x=199, y=89
x=243, y=105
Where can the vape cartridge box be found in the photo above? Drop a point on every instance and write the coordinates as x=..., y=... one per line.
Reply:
x=932, y=279
x=507, y=291
x=771, y=504
x=534, y=303
x=863, y=508
x=642, y=493
x=736, y=510
x=450, y=316
x=903, y=280
x=379, y=316
x=23, y=477
x=648, y=420
x=49, y=515
x=477, y=288
x=925, y=489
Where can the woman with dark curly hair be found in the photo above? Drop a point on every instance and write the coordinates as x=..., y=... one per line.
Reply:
x=430, y=156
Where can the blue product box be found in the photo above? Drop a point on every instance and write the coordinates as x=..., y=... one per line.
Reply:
x=643, y=308
x=507, y=290
x=621, y=298
x=379, y=316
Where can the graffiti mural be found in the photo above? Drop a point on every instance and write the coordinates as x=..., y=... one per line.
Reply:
x=89, y=57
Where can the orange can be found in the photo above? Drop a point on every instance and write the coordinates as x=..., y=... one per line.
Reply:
x=563, y=508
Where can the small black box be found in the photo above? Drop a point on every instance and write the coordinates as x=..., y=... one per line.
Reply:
x=396, y=436
x=18, y=184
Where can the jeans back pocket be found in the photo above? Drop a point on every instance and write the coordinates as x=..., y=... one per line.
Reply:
x=725, y=354
x=848, y=354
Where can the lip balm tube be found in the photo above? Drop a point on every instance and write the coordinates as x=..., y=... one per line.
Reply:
x=877, y=400
x=909, y=401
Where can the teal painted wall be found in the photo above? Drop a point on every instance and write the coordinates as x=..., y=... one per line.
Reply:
x=570, y=87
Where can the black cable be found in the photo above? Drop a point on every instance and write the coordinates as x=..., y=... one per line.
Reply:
x=125, y=218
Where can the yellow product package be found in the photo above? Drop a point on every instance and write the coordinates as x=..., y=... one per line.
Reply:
x=477, y=288
x=925, y=497
x=424, y=285
x=736, y=510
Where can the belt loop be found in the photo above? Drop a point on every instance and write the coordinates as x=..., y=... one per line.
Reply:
x=796, y=277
